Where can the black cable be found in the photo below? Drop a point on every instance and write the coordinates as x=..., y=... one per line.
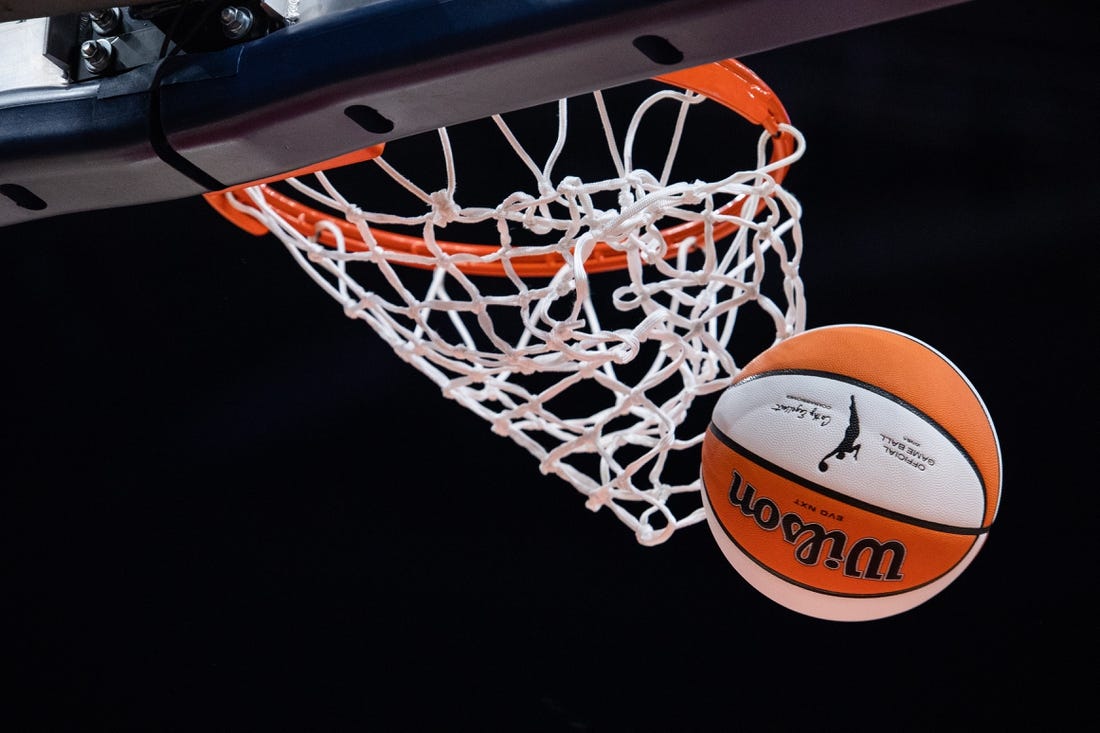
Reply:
x=158, y=139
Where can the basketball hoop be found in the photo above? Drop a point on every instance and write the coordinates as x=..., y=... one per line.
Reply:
x=603, y=308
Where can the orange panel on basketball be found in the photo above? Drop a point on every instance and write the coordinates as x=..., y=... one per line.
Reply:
x=851, y=472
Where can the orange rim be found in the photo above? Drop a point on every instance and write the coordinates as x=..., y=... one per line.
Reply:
x=727, y=82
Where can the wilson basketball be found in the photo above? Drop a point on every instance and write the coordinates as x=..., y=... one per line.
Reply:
x=851, y=473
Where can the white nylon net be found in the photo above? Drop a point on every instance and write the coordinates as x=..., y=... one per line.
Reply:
x=594, y=373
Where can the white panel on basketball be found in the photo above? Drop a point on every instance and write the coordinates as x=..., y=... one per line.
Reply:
x=796, y=419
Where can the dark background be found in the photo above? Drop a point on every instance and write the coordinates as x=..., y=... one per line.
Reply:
x=227, y=507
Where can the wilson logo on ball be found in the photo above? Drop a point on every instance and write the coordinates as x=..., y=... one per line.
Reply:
x=866, y=558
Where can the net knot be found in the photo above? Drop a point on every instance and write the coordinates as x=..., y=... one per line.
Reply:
x=598, y=498
x=533, y=220
x=608, y=226
x=695, y=194
x=652, y=247
x=570, y=187
x=444, y=208
x=639, y=180
x=563, y=332
x=628, y=347
x=766, y=187
x=354, y=309
x=646, y=534
x=317, y=254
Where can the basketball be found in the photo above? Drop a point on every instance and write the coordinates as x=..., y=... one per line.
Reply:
x=850, y=473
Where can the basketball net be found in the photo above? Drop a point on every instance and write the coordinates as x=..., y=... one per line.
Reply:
x=603, y=309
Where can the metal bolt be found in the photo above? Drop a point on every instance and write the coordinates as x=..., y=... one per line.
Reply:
x=236, y=22
x=106, y=21
x=97, y=55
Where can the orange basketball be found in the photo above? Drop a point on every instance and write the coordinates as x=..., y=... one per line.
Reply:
x=851, y=473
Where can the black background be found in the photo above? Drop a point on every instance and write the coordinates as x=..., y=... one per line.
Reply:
x=227, y=507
